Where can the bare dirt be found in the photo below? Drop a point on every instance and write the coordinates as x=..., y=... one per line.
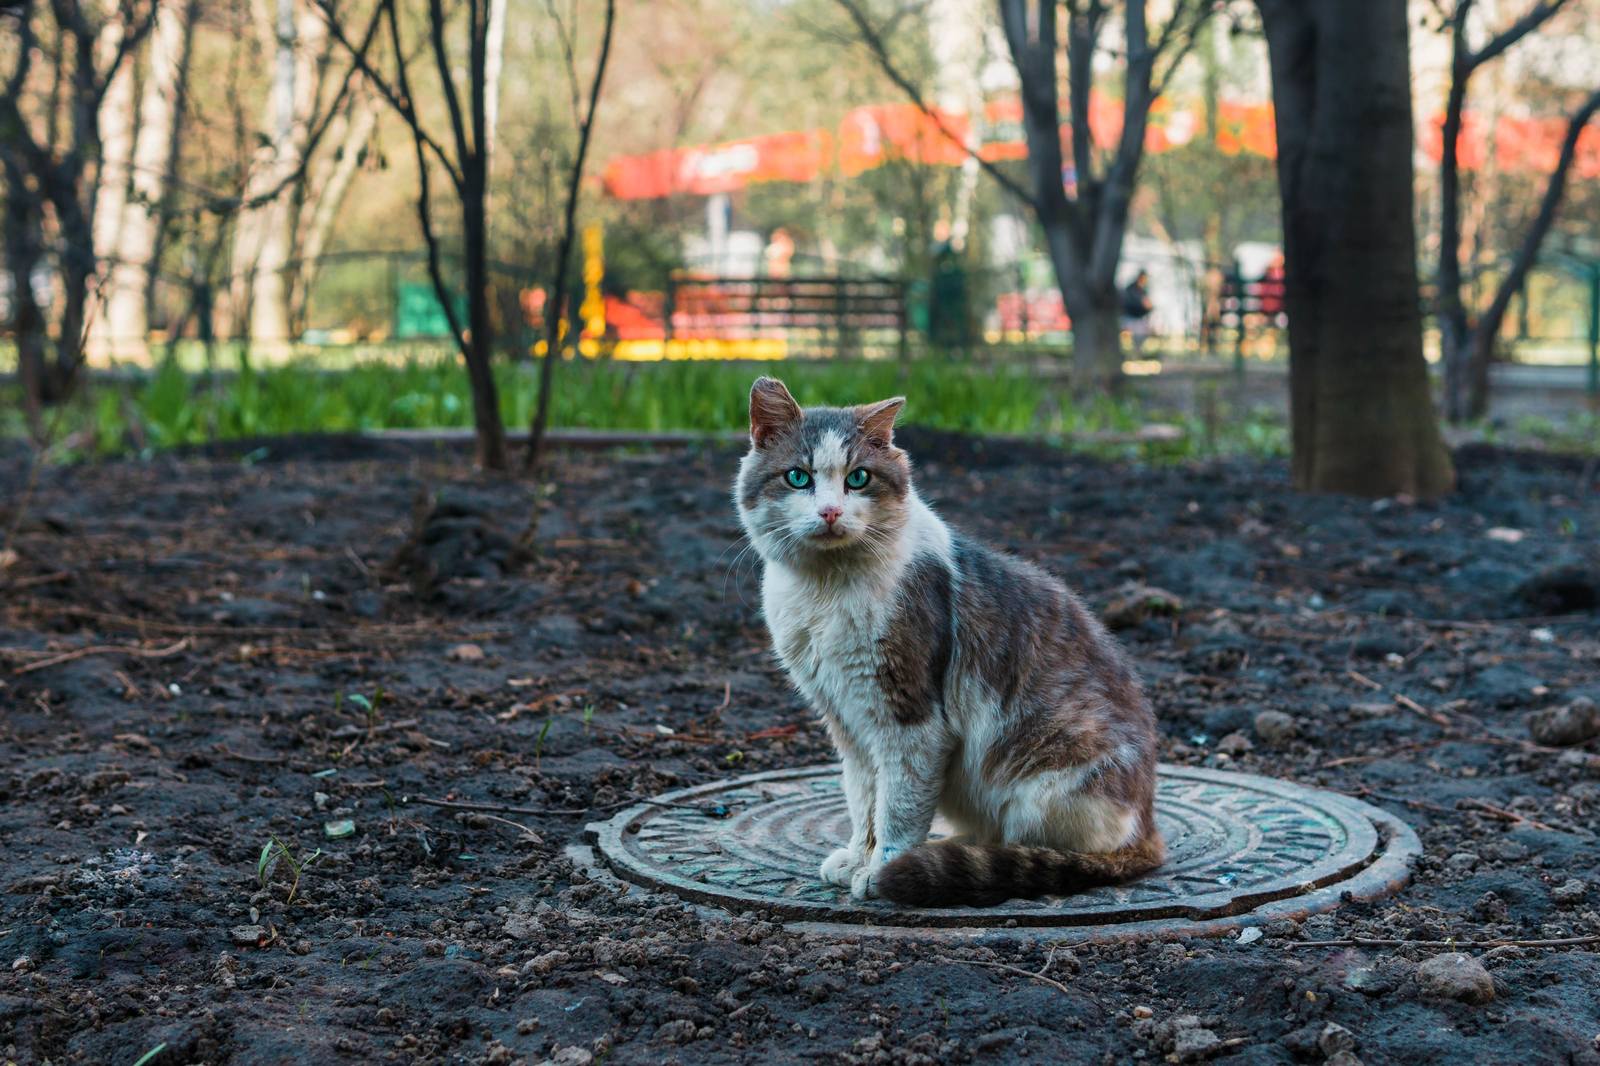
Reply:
x=202, y=655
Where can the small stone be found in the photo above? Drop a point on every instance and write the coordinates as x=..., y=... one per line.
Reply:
x=1343, y=1058
x=1235, y=744
x=1275, y=727
x=320, y=800
x=1369, y=981
x=1570, y=891
x=1133, y=603
x=1455, y=976
x=465, y=653
x=249, y=935
x=1301, y=1043
x=340, y=829
x=570, y=1056
x=1250, y=935
x=1372, y=710
x=998, y=1039
x=1462, y=861
x=523, y=927
x=1143, y=1012
x=1192, y=1045
x=21, y=964
x=547, y=962
x=1562, y=727
x=1335, y=1038
x=677, y=1031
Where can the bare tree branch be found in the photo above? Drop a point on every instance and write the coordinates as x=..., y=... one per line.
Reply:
x=1536, y=16
x=874, y=40
x=441, y=58
x=398, y=97
x=553, y=306
x=568, y=53
x=1549, y=204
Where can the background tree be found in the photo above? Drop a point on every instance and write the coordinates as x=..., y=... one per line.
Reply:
x=1084, y=225
x=1468, y=341
x=583, y=113
x=1362, y=418
x=293, y=193
x=51, y=157
x=465, y=165
x=133, y=193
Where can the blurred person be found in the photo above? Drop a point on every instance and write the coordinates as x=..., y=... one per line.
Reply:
x=1136, y=308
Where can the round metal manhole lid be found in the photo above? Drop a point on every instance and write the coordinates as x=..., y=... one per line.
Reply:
x=1239, y=846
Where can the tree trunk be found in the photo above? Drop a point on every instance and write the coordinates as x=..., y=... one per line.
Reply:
x=264, y=237
x=1097, y=342
x=1451, y=311
x=168, y=207
x=322, y=204
x=1455, y=356
x=117, y=132
x=126, y=312
x=491, y=434
x=24, y=251
x=1363, y=418
x=1480, y=356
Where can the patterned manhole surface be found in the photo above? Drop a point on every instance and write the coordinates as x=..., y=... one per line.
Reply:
x=1238, y=846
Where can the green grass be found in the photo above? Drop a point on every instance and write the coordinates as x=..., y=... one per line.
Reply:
x=172, y=407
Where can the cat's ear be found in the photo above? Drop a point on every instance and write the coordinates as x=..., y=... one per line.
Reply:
x=772, y=411
x=877, y=420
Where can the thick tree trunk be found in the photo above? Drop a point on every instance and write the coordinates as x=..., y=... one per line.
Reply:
x=1097, y=342
x=1363, y=418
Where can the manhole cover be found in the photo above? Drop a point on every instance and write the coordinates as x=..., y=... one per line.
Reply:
x=1239, y=847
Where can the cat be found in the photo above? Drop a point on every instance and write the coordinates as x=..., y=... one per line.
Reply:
x=951, y=678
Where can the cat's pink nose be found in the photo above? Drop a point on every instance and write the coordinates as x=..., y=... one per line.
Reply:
x=830, y=514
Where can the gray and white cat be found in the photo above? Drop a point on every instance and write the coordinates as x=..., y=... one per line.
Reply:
x=952, y=678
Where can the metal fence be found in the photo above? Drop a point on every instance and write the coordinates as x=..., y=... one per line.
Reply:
x=363, y=299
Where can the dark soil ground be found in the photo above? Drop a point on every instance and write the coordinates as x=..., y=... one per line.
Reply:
x=203, y=655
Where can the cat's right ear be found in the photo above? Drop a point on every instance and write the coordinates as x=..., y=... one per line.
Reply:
x=772, y=411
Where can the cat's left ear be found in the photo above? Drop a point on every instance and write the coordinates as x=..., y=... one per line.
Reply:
x=877, y=420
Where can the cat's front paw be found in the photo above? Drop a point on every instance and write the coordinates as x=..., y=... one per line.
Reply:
x=840, y=867
x=864, y=882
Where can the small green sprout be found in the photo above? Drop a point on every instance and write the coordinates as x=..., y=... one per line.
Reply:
x=275, y=852
x=149, y=1056
x=538, y=746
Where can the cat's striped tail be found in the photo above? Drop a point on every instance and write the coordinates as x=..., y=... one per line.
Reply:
x=949, y=874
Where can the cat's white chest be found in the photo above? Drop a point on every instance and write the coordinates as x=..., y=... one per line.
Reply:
x=827, y=640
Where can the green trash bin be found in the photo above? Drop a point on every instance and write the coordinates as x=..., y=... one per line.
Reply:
x=419, y=314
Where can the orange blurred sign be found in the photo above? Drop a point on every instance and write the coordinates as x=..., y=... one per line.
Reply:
x=800, y=155
x=870, y=136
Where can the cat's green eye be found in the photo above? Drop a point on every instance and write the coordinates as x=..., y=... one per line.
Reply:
x=797, y=478
x=857, y=478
